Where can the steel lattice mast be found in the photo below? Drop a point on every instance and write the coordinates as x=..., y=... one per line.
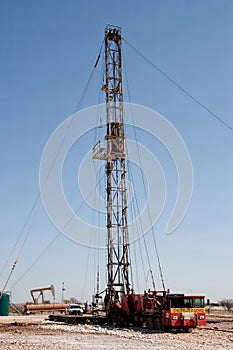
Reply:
x=113, y=152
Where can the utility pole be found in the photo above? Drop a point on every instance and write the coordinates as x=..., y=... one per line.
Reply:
x=62, y=292
x=114, y=154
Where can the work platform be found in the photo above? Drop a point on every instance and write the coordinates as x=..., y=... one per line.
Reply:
x=76, y=319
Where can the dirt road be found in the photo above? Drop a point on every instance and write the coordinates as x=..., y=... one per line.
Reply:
x=35, y=332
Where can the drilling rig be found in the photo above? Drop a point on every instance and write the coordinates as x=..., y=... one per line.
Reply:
x=114, y=154
x=157, y=309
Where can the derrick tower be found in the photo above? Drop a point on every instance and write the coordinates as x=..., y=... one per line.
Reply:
x=114, y=154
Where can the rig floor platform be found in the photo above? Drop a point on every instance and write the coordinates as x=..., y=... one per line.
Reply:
x=79, y=319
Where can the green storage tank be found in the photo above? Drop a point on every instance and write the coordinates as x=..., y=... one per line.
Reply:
x=4, y=304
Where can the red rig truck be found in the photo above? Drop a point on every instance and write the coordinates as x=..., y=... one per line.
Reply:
x=158, y=310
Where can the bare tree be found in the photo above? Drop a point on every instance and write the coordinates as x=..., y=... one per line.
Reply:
x=72, y=300
x=227, y=303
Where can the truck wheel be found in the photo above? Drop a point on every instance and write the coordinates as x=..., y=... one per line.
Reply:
x=150, y=323
x=188, y=330
x=157, y=324
x=121, y=320
x=114, y=320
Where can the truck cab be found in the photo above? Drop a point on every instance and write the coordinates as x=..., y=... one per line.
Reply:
x=184, y=312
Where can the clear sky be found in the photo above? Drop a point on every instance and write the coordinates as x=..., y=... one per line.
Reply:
x=48, y=49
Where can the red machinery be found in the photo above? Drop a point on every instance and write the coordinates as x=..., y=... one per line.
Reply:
x=159, y=310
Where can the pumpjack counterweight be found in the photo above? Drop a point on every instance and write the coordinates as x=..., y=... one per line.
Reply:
x=113, y=152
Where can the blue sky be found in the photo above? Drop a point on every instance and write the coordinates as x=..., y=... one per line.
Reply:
x=48, y=49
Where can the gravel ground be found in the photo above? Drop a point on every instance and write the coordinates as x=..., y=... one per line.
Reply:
x=35, y=332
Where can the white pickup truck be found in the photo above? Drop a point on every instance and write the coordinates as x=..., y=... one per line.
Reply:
x=74, y=309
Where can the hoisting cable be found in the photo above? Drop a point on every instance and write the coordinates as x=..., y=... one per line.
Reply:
x=144, y=185
x=54, y=239
x=151, y=224
x=89, y=248
x=51, y=167
x=135, y=263
x=98, y=258
x=133, y=246
x=21, y=233
x=133, y=204
x=179, y=86
x=36, y=260
x=143, y=236
x=9, y=276
x=131, y=270
x=18, y=256
x=144, y=240
x=133, y=210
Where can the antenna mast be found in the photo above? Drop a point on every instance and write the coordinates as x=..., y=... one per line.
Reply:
x=113, y=152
